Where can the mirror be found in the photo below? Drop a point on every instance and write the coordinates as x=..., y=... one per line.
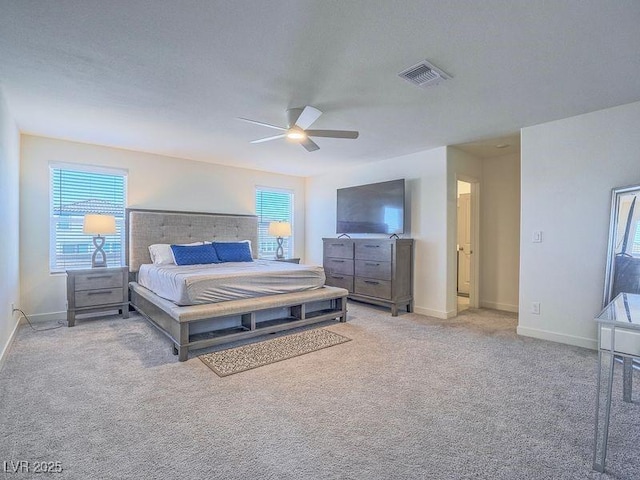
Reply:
x=623, y=254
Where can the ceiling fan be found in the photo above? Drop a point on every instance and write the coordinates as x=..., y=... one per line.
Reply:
x=298, y=121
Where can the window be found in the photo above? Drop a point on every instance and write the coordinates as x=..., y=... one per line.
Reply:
x=76, y=191
x=273, y=205
x=635, y=248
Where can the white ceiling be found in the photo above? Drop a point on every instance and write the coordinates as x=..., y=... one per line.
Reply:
x=171, y=77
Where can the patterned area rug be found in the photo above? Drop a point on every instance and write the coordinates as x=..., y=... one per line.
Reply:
x=240, y=359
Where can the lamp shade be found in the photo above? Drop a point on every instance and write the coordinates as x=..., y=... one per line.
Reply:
x=96, y=224
x=280, y=229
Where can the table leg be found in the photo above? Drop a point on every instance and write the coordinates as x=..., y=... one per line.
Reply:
x=627, y=379
x=603, y=408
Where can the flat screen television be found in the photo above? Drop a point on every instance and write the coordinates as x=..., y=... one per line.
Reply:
x=373, y=208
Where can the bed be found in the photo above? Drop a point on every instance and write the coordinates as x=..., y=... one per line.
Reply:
x=196, y=312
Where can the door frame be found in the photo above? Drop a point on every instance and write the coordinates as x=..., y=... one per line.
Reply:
x=474, y=276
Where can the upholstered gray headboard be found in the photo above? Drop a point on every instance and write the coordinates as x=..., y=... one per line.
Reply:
x=146, y=227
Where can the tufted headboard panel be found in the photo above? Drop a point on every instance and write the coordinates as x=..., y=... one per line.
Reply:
x=146, y=227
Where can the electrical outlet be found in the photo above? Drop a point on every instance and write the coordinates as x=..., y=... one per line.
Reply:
x=535, y=308
x=537, y=236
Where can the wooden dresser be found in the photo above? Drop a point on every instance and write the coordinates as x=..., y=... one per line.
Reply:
x=374, y=270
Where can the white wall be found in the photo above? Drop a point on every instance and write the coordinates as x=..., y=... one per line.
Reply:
x=568, y=170
x=425, y=175
x=9, y=212
x=500, y=232
x=154, y=181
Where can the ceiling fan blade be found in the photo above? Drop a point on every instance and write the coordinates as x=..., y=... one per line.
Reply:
x=275, y=137
x=292, y=116
x=332, y=133
x=261, y=123
x=309, y=145
x=307, y=117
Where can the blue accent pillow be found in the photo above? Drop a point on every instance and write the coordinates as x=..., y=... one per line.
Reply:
x=233, y=251
x=194, y=254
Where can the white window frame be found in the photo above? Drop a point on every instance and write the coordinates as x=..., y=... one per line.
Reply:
x=263, y=225
x=84, y=259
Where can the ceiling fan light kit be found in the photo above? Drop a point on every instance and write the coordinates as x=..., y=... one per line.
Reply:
x=296, y=134
x=298, y=122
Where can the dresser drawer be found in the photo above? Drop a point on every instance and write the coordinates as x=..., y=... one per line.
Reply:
x=338, y=248
x=373, y=269
x=341, y=266
x=94, y=280
x=373, y=250
x=90, y=298
x=342, y=281
x=373, y=287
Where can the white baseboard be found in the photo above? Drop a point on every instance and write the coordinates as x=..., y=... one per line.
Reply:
x=7, y=346
x=585, y=342
x=432, y=313
x=45, y=317
x=499, y=306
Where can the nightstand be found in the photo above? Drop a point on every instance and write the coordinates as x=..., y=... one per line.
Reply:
x=97, y=289
x=288, y=260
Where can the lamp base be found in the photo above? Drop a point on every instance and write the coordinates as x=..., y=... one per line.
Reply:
x=99, y=258
x=279, y=250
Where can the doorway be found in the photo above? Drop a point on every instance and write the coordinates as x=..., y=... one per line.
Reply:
x=466, y=245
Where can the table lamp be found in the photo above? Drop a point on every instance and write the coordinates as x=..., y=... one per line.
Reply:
x=97, y=225
x=280, y=230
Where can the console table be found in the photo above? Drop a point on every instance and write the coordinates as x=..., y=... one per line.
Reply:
x=618, y=335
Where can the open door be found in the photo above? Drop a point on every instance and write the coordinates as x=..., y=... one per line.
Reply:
x=467, y=240
x=464, y=244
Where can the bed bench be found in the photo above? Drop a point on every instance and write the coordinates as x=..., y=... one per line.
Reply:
x=180, y=324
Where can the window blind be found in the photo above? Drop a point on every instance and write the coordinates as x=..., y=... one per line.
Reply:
x=75, y=192
x=273, y=205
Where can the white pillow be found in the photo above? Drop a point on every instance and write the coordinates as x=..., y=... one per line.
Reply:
x=161, y=253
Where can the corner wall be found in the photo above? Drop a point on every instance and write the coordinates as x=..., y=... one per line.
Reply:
x=568, y=170
x=9, y=212
x=154, y=181
x=500, y=233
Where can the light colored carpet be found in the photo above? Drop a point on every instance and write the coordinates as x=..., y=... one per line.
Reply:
x=247, y=357
x=410, y=397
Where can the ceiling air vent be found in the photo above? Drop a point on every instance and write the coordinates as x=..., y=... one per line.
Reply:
x=424, y=74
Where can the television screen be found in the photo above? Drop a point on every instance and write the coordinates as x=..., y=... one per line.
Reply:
x=373, y=208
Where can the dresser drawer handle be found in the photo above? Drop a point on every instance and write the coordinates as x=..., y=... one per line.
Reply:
x=370, y=264
x=335, y=276
x=370, y=282
x=337, y=244
x=337, y=261
x=93, y=277
x=101, y=292
x=372, y=246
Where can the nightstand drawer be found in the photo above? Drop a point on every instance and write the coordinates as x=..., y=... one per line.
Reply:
x=105, y=296
x=94, y=280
